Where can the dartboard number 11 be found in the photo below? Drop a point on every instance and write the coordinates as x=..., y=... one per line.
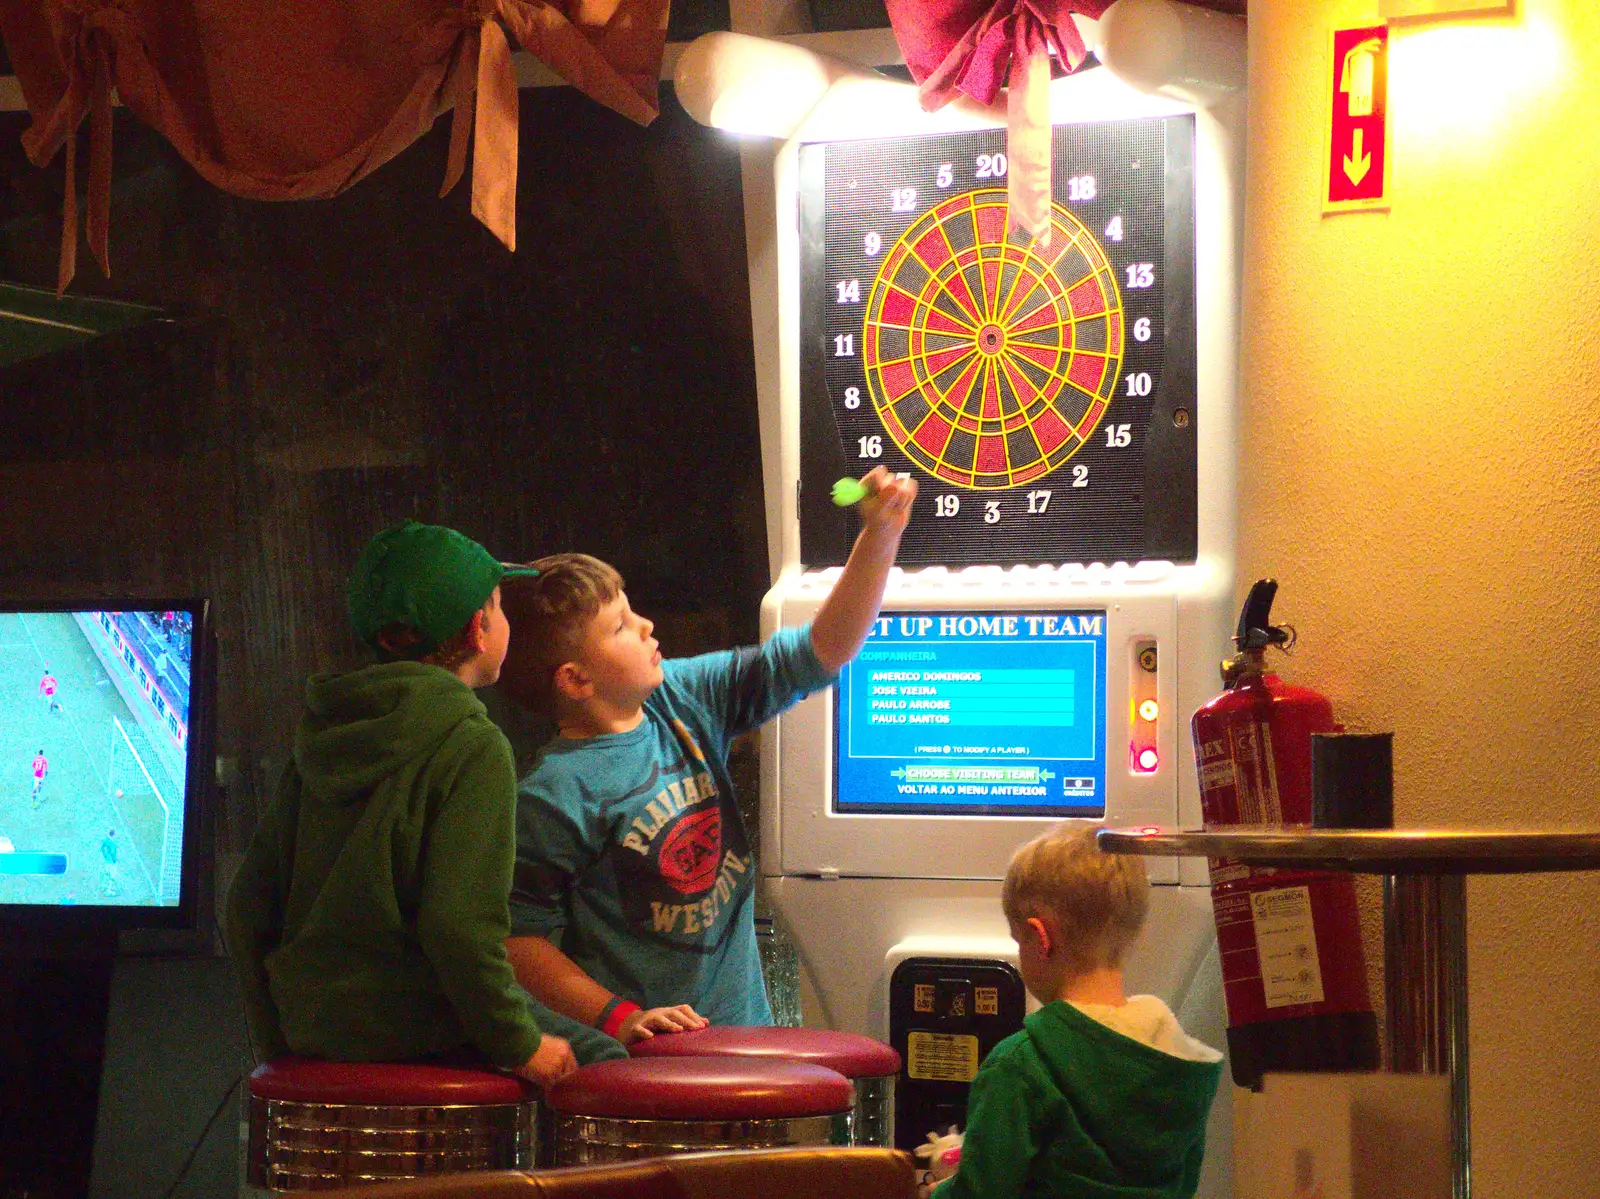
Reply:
x=1018, y=379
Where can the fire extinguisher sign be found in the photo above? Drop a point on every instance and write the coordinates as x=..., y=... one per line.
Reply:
x=1356, y=162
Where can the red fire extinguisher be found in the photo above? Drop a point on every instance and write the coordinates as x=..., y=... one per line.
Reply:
x=1293, y=971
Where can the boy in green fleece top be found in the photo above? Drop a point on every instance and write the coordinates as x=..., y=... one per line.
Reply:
x=1101, y=1095
x=369, y=916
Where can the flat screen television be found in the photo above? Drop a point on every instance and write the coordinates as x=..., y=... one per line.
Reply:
x=106, y=751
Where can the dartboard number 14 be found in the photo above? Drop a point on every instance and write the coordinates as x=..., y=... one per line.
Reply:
x=1018, y=379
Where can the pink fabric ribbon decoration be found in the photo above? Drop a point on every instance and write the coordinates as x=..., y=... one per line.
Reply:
x=971, y=48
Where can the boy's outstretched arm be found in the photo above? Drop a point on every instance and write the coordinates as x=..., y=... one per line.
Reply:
x=846, y=616
x=562, y=985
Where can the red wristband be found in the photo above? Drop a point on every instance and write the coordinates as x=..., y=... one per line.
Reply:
x=619, y=1013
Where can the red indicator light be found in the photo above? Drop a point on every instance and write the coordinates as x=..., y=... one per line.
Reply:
x=1149, y=710
x=1150, y=830
x=1149, y=759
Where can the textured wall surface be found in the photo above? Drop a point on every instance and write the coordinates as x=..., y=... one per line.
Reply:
x=382, y=358
x=1420, y=467
x=379, y=357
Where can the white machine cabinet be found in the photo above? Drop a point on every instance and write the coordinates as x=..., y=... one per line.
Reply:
x=1068, y=409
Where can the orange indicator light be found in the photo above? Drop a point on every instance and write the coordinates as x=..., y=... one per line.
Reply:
x=1149, y=710
x=1149, y=759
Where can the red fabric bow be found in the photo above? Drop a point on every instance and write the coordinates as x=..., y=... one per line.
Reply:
x=970, y=47
x=300, y=98
x=83, y=37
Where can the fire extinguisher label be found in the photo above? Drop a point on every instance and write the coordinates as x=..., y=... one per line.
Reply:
x=1286, y=944
x=1218, y=773
x=1227, y=870
x=1255, y=773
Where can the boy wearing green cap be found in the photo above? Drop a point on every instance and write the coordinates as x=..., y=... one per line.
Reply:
x=369, y=916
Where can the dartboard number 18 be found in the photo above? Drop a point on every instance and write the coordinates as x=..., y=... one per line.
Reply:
x=1041, y=390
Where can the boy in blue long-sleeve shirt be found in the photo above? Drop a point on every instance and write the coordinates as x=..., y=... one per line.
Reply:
x=630, y=847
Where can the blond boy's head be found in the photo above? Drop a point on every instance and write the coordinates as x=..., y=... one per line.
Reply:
x=550, y=615
x=1094, y=903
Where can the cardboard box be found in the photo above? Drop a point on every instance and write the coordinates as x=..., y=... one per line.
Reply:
x=1343, y=1136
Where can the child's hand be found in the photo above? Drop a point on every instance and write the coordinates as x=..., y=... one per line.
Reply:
x=550, y=1063
x=887, y=507
x=641, y=1026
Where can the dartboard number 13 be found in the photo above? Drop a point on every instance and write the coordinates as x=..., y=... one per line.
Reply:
x=1020, y=380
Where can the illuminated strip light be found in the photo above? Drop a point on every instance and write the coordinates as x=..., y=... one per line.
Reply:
x=9, y=315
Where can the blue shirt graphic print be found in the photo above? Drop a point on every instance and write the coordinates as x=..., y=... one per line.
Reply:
x=630, y=848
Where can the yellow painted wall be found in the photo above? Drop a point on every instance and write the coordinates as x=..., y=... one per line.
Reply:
x=1420, y=467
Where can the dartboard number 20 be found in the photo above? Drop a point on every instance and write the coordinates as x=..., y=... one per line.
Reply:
x=1019, y=380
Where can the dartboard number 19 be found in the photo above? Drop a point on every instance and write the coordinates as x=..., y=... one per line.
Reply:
x=1042, y=391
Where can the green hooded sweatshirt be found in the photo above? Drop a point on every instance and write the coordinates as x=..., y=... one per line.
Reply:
x=1071, y=1109
x=368, y=919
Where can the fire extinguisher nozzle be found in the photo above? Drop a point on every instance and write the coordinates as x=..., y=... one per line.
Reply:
x=1256, y=630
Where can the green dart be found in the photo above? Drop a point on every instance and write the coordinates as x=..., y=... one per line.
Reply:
x=849, y=491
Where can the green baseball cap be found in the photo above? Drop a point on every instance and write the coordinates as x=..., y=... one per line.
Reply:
x=424, y=577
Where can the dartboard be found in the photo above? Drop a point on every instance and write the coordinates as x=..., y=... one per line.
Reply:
x=1042, y=392
x=990, y=359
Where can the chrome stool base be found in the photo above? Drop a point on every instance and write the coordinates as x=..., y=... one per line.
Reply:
x=318, y=1146
x=583, y=1140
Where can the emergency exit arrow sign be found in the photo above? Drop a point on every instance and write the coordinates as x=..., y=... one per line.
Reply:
x=1356, y=163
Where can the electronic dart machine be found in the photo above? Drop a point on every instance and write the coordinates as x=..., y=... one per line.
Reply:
x=1065, y=585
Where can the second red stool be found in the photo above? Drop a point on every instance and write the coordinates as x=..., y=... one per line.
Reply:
x=870, y=1065
x=619, y=1110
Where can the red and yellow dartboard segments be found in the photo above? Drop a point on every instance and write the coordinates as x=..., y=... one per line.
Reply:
x=991, y=361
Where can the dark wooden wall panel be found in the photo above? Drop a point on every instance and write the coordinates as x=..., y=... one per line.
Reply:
x=378, y=355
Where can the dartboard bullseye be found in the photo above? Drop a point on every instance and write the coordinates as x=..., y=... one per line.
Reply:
x=989, y=360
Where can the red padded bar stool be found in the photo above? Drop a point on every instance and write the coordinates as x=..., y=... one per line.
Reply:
x=870, y=1065
x=621, y=1110
x=317, y=1125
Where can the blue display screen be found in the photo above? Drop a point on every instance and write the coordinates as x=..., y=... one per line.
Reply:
x=95, y=734
x=974, y=713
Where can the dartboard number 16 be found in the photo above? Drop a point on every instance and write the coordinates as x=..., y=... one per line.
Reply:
x=1018, y=379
